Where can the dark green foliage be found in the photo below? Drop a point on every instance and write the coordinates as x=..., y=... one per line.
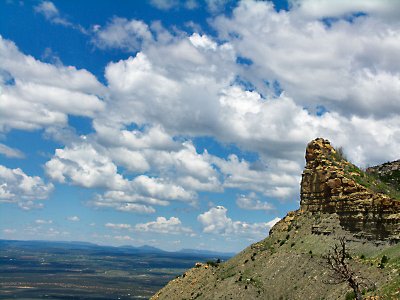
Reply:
x=350, y=295
x=213, y=263
x=384, y=259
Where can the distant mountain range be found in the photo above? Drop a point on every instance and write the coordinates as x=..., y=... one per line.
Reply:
x=77, y=245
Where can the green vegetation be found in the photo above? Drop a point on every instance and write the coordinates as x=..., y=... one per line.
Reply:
x=382, y=184
x=228, y=272
x=213, y=263
x=370, y=181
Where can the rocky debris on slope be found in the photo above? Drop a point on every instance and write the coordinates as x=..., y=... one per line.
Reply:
x=388, y=172
x=330, y=184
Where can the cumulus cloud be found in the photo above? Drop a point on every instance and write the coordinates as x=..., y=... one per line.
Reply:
x=73, y=219
x=251, y=202
x=122, y=33
x=163, y=225
x=18, y=187
x=301, y=81
x=269, y=180
x=117, y=226
x=216, y=221
x=326, y=8
x=83, y=165
x=181, y=170
x=10, y=152
x=34, y=94
x=309, y=59
x=216, y=6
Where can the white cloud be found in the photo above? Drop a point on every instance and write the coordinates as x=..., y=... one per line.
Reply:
x=83, y=165
x=310, y=60
x=9, y=231
x=217, y=222
x=188, y=81
x=123, y=238
x=18, y=187
x=216, y=6
x=48, y=9
x=52, y=14
x=117, y=226
x=251, y=202
x=171, y=4
x=181, y=173
x=164, y=4
x=162, y=225
x=34, y=94
x=267, y=107
x=122, y=33
x=11, y=152
x=154, y=137
x=43, y=222
x=73, y=219
x=271, y=180
x=327, y=8
x=202, y=41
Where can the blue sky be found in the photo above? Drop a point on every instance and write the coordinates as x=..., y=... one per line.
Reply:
x=183, y=124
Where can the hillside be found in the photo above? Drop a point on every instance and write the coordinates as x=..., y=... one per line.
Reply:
x=338, y=200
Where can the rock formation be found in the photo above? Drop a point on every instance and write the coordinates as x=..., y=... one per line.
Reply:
x=338, y=201
x=330, y=184
x=388, y=172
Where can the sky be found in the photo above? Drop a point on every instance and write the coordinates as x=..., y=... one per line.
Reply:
x=183, y=124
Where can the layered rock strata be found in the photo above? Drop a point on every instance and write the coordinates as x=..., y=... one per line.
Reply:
x=330, y=185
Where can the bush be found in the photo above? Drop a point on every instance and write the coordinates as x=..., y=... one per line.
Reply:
x=350, y=295
x=213, y=263
x=384, y=259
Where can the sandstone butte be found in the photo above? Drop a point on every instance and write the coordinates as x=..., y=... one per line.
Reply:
x=337, y=200
x=329, y=185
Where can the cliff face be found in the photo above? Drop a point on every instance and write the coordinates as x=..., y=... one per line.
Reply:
x=330, y=184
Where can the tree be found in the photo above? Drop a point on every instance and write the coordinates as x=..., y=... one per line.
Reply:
x=337, y=260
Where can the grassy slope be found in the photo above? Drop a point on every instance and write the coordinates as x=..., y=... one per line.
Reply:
x=289, y=264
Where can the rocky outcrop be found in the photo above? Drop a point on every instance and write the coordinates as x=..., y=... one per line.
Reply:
x=336, y=203
x=388, y=172
x=331, y=185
